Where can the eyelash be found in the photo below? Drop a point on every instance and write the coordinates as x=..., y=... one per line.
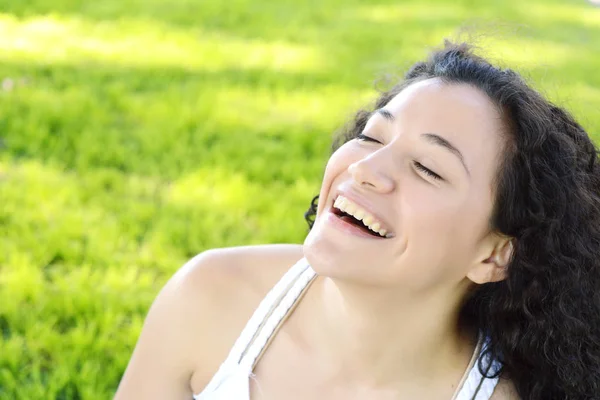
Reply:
x=426, y=171
x=417, y=164
x=366, y=138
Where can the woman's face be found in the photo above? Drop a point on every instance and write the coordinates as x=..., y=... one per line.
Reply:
x=422, y=175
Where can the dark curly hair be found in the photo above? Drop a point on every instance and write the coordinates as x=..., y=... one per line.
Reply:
x=543, y=321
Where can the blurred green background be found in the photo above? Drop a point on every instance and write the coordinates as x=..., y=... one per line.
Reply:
x=136, y=133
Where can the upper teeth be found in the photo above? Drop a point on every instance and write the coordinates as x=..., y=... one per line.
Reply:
x=349, y=207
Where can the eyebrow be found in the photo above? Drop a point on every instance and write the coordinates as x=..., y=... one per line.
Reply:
x=431, y=137
x=440, y=141
x=386, y=114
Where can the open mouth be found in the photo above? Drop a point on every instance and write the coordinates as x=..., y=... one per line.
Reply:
x=351, y=213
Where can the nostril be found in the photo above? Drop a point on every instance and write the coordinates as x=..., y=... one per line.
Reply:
x=367, y=175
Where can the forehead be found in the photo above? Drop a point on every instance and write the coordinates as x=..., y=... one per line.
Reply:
x=461, y=113
x=457, y=105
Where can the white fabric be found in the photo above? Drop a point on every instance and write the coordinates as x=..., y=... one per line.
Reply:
x=475, y=386
x=231, y=371
x=276, y=316
x=231, y=382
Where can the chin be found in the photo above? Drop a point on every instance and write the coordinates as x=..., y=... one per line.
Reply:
x=333, y=256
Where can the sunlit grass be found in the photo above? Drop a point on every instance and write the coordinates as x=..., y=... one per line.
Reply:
x=135, y=134
x=577, y=12
x=53, y=39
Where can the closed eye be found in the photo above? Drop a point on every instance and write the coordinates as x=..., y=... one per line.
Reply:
x=366, y=138
x=417, y=164
x=427, y=171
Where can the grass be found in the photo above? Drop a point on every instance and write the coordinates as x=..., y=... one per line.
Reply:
x=137, y=133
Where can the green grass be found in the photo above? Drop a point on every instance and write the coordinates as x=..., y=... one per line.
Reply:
x=137, y=133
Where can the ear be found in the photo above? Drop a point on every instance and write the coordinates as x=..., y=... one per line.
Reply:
x=493, y=263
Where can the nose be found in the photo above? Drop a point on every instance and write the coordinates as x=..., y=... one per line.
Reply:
x=370, y=173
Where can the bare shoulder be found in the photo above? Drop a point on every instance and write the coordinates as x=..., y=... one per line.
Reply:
x=505, y=390
x=251, y=269
x=198, y=315
x=226, y=285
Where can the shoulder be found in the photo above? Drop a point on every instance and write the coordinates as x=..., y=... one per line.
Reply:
x=198, y=315
x=220, y=289
x=251, y=269
x=505, y=390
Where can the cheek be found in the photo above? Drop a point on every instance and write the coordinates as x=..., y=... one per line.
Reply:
x=432, y=221
x=449, y=230
x=336, y=167
x=442, y=224
x=437, y=248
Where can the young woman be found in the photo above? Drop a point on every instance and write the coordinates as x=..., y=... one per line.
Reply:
x=454, y=255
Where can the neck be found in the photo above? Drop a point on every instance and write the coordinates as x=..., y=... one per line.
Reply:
x=380, y=337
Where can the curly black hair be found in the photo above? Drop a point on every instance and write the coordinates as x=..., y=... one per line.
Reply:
x=543, y=321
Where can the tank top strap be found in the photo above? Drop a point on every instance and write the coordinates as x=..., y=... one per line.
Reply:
x=272, y=321
x=264, y=310
x=476, y=386
x=262, y=315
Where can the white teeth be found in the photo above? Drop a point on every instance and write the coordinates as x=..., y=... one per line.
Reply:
x=357, y=212
x=350, y=209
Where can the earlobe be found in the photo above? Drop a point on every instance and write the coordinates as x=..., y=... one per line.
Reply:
x=495, y=267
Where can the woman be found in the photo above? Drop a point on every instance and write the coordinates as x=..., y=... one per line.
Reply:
x=454, y=255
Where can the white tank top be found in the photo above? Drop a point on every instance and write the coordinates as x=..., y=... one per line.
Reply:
x=232, y=380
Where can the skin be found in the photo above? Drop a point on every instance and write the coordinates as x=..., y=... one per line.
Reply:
x=380, y=320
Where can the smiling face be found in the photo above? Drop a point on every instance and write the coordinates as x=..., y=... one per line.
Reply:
x=423, y=170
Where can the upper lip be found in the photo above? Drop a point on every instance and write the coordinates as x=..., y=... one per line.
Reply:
x=359, y=200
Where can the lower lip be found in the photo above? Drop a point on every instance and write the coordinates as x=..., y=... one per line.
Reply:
x=344, y=226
